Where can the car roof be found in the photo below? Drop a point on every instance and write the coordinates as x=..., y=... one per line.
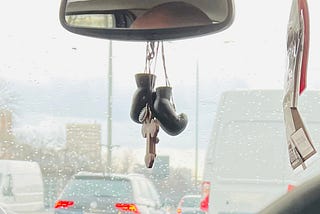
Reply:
x=101, y=175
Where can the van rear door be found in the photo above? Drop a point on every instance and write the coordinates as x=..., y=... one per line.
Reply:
x=247, y=161
x=250, y=165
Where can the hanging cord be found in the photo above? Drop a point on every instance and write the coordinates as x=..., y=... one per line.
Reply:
x=151, y=54
x=164, y=65
x=166, y=74
x=152, y=49
x=156, y=58
x=146, y=61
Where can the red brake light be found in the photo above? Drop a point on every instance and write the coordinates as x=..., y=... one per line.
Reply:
x=127, y=208
x=291, y=187
x=179, y=211
x=204, y=204
x=63, y=204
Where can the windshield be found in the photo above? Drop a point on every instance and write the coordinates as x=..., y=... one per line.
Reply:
x=70, y=105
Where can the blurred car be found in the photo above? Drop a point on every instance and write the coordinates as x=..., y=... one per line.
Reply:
x=189, y=204
x=18, y=179
x=108, y=193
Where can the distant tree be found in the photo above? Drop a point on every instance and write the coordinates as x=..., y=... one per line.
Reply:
x=123, y=161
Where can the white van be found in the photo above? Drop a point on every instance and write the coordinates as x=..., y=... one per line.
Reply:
x=21, y=186
x=247, y=164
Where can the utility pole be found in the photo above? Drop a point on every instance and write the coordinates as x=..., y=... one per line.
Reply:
x=197, y=126
x=109, y=119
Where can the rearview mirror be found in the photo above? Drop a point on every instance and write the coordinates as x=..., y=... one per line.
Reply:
x=146, y=20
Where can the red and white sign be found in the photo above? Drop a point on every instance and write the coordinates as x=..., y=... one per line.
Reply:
x=300, y=146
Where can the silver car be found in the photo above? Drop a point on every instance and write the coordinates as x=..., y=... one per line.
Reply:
x=108, y=193
x=189, y=204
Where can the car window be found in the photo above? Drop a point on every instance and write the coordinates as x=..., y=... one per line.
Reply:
x=154, y=193
x=98, y=188
x=191, y=202
x=144, y=189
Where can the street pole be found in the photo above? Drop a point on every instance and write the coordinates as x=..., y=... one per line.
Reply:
x=197, y=126
x=109, y=143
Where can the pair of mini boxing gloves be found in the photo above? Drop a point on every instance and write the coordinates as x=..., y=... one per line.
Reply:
x=159, y=103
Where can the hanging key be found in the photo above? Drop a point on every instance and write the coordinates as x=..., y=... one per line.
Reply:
x=150, y=129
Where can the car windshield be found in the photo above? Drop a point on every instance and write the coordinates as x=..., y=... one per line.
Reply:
x=72, y=105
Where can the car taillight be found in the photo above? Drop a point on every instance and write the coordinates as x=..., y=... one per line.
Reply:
x=179, y=211
x=63, y=204
x=131, y=208
x=204, y=204
x=291, y=187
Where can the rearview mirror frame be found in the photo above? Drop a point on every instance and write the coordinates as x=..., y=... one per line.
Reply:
x=149, y=34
